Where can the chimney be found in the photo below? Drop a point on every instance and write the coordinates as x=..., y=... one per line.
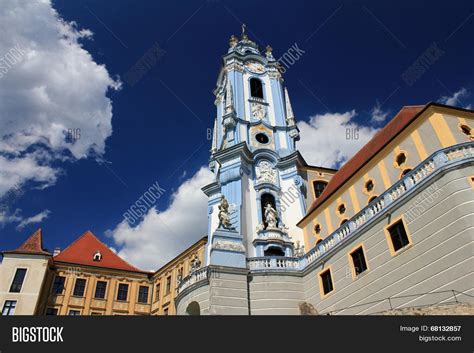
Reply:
x=56, y=251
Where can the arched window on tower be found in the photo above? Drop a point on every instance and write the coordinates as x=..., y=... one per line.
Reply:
x=264, y=200
x=256, y=88
x=318, y=187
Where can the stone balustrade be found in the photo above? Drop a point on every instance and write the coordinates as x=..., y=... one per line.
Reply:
x=194, y=277
x=436, y=161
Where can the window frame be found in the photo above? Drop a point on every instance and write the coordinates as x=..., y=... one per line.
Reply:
x=105, y=289
x=118, y=292
x=10, y=307
x=140, y=287
x=321, y=181
x=157, y=292
x=388, y=236
x=256, y=79
x=84, y=280
x=52, y=309
x=63, y=285
x=22, y=281
x=77, y=312
x=352, y=264
x=321, y=283
x=168, y=285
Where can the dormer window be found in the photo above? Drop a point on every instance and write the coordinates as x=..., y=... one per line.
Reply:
x=256, y=88
x=97, y=256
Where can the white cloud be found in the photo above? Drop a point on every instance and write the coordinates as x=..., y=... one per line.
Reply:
x=16, y=217
x=330, y=139
x=162, y=235
x=34, y=219
x=6, y=217
x=456, y=98
x=48, y=85
x=378, y=115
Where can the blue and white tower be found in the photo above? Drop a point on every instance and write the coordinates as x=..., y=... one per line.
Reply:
x=254, y=160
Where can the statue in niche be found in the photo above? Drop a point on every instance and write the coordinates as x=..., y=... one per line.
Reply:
x=224, y=215
x=271, y=216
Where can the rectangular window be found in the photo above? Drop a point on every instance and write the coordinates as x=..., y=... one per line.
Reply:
x=58, y=285
x=74, y=313
x=143, y=294
x=100, y=289
x=51, y=311
x=18, y=280
x=398, y=236
x=326, y=281
x=158, y=292
x=79, y=287
x=358, y=261
x=168, y=285
x=122, y=292
x=9, y=307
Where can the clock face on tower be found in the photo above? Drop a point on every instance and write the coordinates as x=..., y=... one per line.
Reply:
x=255, y=67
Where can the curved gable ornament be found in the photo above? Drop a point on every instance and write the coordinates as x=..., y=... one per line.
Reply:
x=265, y=172
x=258, y=111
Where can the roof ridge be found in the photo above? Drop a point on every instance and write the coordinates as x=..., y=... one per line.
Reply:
x=335, y=183
x=69, y=252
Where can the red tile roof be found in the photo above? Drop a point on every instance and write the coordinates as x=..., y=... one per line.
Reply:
x=33, y=245
x=403, y=118
x=82, y=250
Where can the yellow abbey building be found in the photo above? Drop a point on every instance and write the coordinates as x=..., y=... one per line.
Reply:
x=87, y=278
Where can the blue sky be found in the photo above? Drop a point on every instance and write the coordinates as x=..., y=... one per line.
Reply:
x=355, y=54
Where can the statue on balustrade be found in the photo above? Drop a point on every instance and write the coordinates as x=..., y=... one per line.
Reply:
x=195, y=264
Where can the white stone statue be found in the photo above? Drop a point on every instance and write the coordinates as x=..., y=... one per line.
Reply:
x=224, y=216
x=270, y=216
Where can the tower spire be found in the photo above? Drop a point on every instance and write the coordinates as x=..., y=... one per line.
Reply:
x=290, y=117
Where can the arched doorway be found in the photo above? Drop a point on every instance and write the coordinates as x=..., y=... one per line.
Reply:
x=193, y=309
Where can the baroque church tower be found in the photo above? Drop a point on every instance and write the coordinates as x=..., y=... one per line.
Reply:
x=254, y=161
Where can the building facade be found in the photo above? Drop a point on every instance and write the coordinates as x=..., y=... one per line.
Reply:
x=392, y=229
x=87, y=278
